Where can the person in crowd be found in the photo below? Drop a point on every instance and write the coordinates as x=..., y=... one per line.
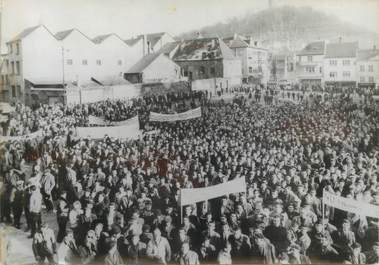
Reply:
x=187, y=256
x=288, y=154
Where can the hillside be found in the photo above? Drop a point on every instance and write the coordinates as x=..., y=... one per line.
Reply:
x=285, y=24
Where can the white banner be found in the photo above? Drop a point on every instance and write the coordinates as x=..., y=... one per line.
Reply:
x=129, y=130
x=93, y=120
x=350, y=205
x=191, y=196
x=22, y=137
x=191, y=114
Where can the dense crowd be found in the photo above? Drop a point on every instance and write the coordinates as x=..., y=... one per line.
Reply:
x=117, y=202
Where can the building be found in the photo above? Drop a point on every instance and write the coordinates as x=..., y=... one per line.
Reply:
x=150, y=43
x=154, y=67
x=282, y=71
x=368, y=68
x=34, y=54
x=46, y=60
x=206, y=58
x=309, y=65
x=340, y=64
x=254, y=59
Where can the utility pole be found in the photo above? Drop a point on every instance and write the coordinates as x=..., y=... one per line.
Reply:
x=1, y=24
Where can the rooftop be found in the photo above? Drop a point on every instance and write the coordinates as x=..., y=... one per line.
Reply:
x=143, y=63
x=313, y=48
x=367, y=54
x=341, y=50
x=203, y=49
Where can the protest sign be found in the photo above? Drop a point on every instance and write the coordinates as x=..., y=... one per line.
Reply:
x=191, y=114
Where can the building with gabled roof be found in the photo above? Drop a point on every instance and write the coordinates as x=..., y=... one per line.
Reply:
x=254, y=59
x=151, y=42
x=205, y=58
x=152, y=68
x=66, y=57
x=368, y=68
x=310, y=63
x=340, y=64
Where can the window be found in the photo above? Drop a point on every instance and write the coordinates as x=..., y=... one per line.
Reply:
x=213, y=71
x=333, y=62
x=362, y=68
x=18, y=68
x=371, y=79
x=17, y=48
x=69, y=61
x=14, y=91
x=202, y=70
x=310, y=69
x=18, y=89
x=333, y=74
x=98, y=62
x=371, y=68
x=250, y=58
x=362, y=79
x=346, y=74
x=10, y=47
x=84, y=62
x=320, y=70
x=310, y=59
x=12, y=68
x=250, y=69
x=346, y=62
x=119, y=62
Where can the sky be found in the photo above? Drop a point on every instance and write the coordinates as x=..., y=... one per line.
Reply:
x=129, y=18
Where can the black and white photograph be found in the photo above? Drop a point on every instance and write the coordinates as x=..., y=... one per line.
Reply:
x=189, y=132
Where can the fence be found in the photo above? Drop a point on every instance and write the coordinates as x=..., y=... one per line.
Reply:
x=77, y=95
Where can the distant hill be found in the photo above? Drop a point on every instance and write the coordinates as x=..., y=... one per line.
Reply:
x=286, y=24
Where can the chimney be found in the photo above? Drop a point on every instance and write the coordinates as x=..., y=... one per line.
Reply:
x=340, y=39
x=374, y=48
x=235, y=36
x=251, y=41
x=145, y=48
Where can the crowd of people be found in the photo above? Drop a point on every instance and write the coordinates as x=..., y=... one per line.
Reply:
x=117, y=202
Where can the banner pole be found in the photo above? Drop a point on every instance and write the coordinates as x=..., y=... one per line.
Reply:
x=323, y=212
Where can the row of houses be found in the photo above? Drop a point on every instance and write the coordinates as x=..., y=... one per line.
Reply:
x=339, y=64
x=39, y=64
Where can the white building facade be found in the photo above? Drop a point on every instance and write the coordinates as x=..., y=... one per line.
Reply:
x=340, y=64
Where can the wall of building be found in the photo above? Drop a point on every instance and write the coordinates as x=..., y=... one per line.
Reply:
x=75, y=95
x=309, y=68
x=196, y=66
x=339, y=68
x=368, y=71
x=162, y=69
x=232, y=69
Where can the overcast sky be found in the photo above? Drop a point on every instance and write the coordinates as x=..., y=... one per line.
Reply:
x=131, y=17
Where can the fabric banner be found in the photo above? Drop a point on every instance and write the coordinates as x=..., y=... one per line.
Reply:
x=350, y=205
x=22, y=137
x=93, y=120
x=129, y=130
x=191, y=196
x=191, y=114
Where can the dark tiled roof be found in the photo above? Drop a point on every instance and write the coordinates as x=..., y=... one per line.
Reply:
x=367, y=54
x=341, y=50
x=237, y=43
x=131, y=42
x=24, y=33
x=203, y=49
x=101, y=38
x=63, y=34
x=153, y=38
x=313, y=48
x=143, y=63
x=168, y=47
